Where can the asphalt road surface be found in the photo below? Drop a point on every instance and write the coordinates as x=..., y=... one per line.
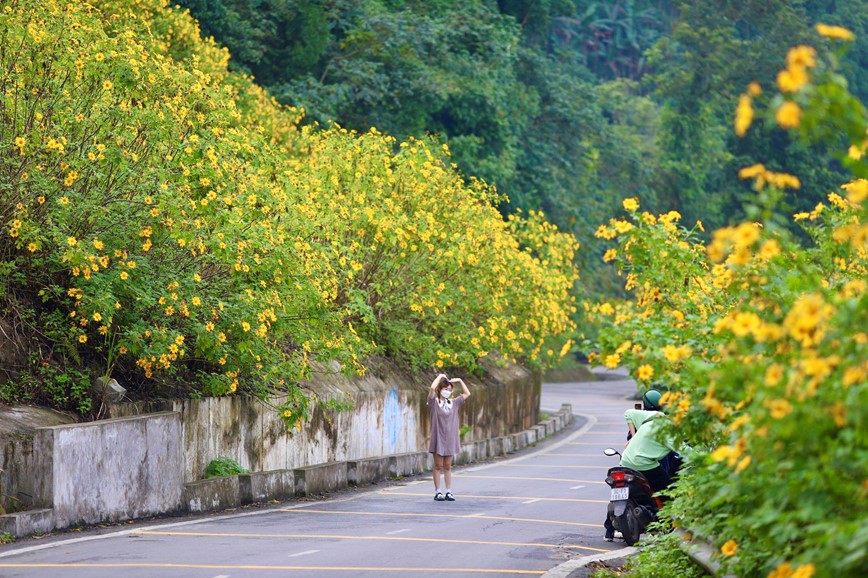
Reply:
x=522, y=515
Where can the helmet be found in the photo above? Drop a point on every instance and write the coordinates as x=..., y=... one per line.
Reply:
x=651, y=400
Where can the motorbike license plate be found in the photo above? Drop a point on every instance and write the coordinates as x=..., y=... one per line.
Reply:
x=620, y=494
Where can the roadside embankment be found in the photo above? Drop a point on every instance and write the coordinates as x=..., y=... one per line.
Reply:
x=151, y=463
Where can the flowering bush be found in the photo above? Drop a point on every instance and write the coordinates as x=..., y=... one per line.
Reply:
x=410, y=251
x=760, y=340
x=165, y=220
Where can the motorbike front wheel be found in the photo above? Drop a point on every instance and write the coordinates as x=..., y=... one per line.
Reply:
x=629, y=525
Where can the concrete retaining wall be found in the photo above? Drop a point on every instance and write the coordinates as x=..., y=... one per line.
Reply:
x=111, y=470
x=140, y=465
x=389, y=416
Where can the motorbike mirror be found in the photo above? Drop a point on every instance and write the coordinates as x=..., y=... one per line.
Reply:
x=610, y=452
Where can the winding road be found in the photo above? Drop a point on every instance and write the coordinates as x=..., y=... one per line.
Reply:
x=525, y=515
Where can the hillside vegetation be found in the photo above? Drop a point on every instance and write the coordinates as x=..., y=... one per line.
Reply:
x=166, y=223
x=759, y=338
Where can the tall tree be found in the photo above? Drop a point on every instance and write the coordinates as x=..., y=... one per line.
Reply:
x=714, y=50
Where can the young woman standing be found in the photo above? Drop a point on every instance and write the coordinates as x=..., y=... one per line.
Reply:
x=445, y=441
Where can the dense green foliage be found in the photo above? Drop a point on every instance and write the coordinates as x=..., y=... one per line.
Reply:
x=760, y=338
x=166, y=222
x=564, y=105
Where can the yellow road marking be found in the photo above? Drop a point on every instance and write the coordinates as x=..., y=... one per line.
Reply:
x=423, y=515
x=462, y=476
x=438, y=569
x=349, y=537
x=397, y=492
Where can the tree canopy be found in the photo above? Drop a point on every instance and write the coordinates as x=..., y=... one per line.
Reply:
x=564, y=105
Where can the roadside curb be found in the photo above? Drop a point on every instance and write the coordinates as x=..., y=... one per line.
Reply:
x=565, y=569
x=701, y=553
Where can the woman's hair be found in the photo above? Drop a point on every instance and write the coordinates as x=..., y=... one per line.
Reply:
x=442, y=385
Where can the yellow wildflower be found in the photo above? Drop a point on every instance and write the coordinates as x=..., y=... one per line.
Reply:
x=792, y=79
x=784, y=570
x=834, y=32
x=774, y=373
x=769, y=250
x=779, y=408
x=729, y=548
x=751, y=171
x=743, y=115
x=721, y=453
x=645, y=372
x=788, y=115
x=804, y=320
x=745, y=323
x=857, y=191
x=801, y=57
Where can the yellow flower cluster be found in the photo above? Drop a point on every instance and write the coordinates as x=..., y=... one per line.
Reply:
x=795, y=75
x=786, y=570
x=834, y=32
x=762, y=177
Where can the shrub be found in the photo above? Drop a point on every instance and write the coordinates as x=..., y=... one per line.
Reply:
x=223, y=466
x=760, y=338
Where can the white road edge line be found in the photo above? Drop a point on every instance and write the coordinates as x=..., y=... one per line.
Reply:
x=397, y=532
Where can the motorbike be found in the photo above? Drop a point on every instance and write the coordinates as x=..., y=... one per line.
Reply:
x=633, y=505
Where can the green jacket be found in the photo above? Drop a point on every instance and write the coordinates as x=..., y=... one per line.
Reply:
x=649, y=446
x=639, y=416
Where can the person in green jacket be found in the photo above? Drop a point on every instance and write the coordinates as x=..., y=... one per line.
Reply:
x=650, y=450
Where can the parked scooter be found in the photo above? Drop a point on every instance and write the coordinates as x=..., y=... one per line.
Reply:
x=633, y=505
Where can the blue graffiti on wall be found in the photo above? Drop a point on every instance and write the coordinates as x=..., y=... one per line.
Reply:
x=392, y=418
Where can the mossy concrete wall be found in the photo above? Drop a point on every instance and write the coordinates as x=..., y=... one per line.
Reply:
x=144, y=462
x=18, y=426
x=111, y=470
x=389, y=416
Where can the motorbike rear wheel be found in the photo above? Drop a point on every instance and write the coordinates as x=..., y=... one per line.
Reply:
x=629, y=525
